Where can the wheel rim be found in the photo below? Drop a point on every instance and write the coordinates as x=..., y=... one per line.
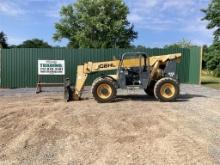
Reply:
x=104, y=91
x=167, y=90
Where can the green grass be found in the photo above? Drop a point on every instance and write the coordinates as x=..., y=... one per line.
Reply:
x=210, y=81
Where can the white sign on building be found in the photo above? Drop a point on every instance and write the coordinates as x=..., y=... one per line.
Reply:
x=51, y=67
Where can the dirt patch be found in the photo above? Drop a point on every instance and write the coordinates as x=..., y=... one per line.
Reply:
x=135, y=129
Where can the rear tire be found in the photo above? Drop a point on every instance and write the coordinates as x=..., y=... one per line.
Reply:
x=150, y=89
x=149, y=92
x=166, y=89
x=104, y=90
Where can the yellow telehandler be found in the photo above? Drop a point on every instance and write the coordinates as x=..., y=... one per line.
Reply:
x=156, y=75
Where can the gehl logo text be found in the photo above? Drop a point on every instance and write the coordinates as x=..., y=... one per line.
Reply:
x=106, y=65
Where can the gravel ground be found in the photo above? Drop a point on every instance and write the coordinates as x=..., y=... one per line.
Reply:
x=135, y=129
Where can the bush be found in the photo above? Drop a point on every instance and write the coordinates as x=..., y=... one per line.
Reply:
x=212, y=59
x=217, y=71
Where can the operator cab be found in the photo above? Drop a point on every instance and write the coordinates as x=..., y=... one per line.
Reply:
x=133, y=70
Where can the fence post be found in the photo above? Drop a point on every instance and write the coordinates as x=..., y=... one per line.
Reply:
x=201, y=53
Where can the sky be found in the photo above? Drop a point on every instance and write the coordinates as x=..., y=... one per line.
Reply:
x=158, y=22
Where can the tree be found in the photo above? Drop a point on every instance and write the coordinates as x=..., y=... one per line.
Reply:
x=34, y=43
x=212, y=55
x=95, y=24
x=204, y=53
x=181, y=44
x=140, y=47
x=212, y=15
x=212, y=60
x=3, y=40
x=137, y=47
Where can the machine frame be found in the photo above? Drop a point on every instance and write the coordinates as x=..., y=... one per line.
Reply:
x=150, y=70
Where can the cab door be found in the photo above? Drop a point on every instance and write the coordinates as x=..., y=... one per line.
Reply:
x=144, y=71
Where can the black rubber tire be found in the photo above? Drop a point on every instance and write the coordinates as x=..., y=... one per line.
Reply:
x=95, y=81
x=150, y=89
x=149, y=92
x=100, y=81
x=158, y=86
x=102, y=78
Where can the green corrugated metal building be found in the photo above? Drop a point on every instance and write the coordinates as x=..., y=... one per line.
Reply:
x=18, y=66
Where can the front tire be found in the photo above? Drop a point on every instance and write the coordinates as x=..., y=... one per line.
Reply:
x=104, y=90
x=166, y=89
